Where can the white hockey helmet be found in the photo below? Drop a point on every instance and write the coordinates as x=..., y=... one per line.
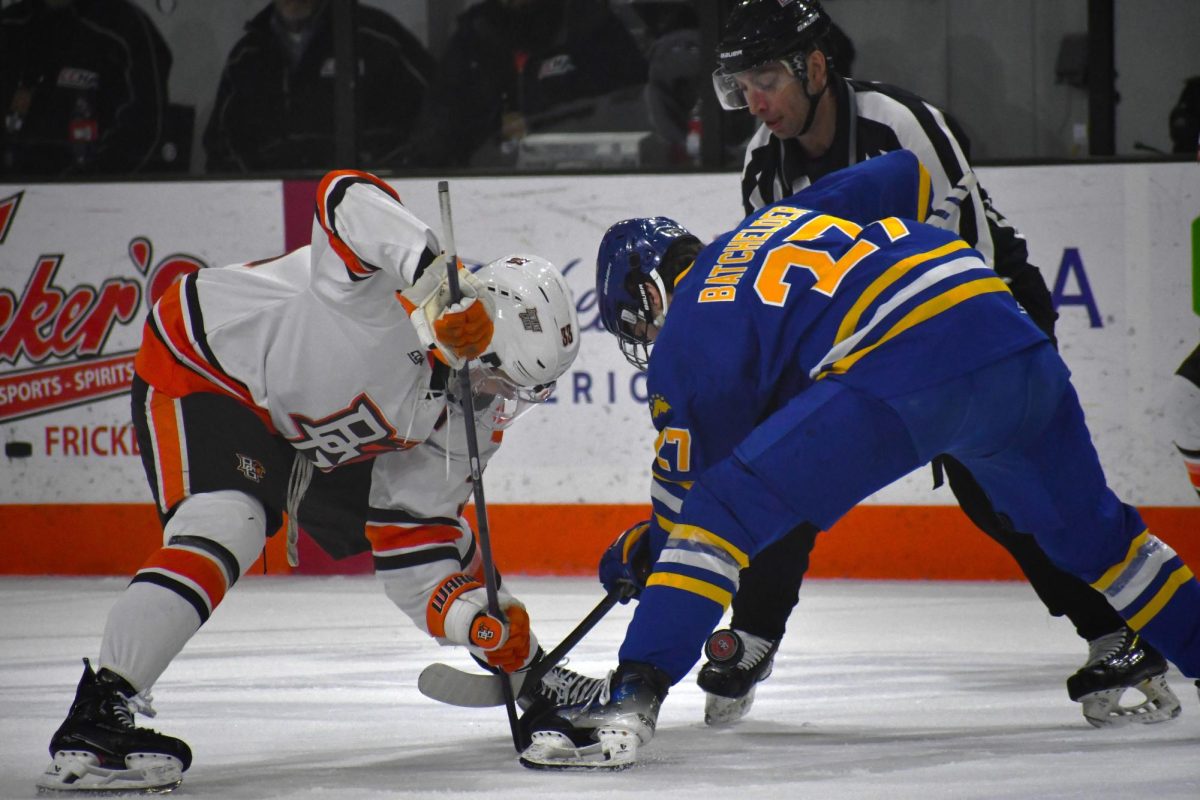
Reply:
x=536, y=337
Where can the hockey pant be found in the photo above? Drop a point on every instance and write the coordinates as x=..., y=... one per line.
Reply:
x=1016, y=425
x=769, y=588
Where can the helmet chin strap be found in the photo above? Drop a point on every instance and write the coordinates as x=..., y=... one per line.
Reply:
x=798, y=66
x=661, y=316
x=813, y=99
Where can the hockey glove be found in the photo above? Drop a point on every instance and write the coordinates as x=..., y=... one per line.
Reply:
x=458, y=332
x=457, y=611
x=626, y=565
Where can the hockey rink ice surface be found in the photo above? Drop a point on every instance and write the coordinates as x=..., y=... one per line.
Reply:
x=306, y=688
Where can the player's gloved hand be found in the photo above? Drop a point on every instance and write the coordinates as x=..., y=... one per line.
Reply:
x=457, y=611
x=456, y=332
x=626, y=564
x=465, y=328
x=504, y=645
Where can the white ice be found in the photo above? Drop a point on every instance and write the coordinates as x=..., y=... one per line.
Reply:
x=305, y=688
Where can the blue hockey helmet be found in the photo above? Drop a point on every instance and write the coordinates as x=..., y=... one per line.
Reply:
x=631, y=255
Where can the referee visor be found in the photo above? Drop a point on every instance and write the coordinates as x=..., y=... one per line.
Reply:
x=732, y=88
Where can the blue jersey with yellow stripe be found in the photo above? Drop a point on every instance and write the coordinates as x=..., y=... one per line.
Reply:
x=840, y=281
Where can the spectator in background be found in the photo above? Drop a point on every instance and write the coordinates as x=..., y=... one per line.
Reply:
x=84, y=87
x=512, y=67
x=275, y=102
x=677, y=74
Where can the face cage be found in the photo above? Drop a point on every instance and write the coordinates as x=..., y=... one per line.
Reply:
x=634, y=346
x=503, y=400
x=729, y=92
x=636, y=351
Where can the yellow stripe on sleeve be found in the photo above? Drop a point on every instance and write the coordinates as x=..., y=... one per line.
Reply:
x=661, y=479
x=924, y=189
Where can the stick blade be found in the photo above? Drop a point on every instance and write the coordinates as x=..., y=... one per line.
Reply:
x=455, y=687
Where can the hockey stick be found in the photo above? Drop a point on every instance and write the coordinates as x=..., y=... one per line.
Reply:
x=457, y=687
x=464, y=390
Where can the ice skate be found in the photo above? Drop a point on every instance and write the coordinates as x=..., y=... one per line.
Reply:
x=99, y=749
x=604, y=730
x=737, y=662
x=559, y=687
x=1116, y=662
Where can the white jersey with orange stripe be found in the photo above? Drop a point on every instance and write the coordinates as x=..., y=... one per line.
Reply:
x=315, y=340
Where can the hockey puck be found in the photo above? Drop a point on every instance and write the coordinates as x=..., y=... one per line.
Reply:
x=18, y=449
x=723, y=646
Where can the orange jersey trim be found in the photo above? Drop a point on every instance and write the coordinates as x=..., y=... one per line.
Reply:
x=354, y=265
x=396, y=537
x=158, y=365
x=170, y=449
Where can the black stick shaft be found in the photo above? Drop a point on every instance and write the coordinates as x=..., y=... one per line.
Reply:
x=569, y=641
x=490, y=579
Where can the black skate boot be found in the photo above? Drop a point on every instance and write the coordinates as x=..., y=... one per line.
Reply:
x=557, y=688
x=98, y=748
x=605, y=730
x=1118, y=661
x=737, y=662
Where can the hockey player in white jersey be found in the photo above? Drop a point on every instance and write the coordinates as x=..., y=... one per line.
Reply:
x=316, y=384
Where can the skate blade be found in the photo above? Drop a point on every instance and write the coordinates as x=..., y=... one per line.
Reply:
x=615, y=750
x=1103, y=709
x=79, y=772
x=725, y=710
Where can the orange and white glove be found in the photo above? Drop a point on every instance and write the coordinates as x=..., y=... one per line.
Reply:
x=457, y=611
x=455, y=332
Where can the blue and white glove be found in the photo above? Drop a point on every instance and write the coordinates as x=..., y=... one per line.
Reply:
x=626, y=563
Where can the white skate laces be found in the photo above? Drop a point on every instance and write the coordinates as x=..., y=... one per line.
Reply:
x=1104, y=646
x=754, y=649
x=564, y=687
x=137, y=704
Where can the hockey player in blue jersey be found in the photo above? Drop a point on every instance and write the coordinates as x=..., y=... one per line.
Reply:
x=782, y=63
x=809, y=360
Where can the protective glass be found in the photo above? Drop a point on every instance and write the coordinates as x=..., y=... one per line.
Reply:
x=731, y=88
x=498, y=400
